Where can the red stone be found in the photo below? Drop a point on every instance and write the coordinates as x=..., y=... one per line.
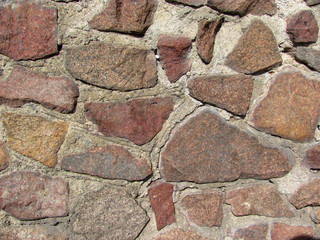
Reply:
x=239, y=7
x=179, y=234
x=195, y=3
x=4, y=156
x=289, y=232
x=307, y=195
x=312, y=159
x=262, y=7
x=254, y=232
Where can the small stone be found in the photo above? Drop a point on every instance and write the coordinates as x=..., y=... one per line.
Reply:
x=312, y=159
x=30, y=196
x=303, y=27
x=23, y=86
x=34, y=232
x=204, y=209
x=195, y=3
x=4, y=156
x=28, y=31
x=256, y=50
x=307, y=195
x=174, y=53
x=231, y=93
x=258, y=231
x=35, y=137
x=239, y=7
x=282, y=231
x=109, y=214
x=312, y=2
x=115, y=68
x=180, y=234
x=160, y=195
x=125, y=16
x=309, y=56
x=137, y=120
x=262, y=7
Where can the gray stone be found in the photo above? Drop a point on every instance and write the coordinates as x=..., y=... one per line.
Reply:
x=309, y=56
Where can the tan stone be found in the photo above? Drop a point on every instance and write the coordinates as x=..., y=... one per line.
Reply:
x=4, y=156
x=180, y=234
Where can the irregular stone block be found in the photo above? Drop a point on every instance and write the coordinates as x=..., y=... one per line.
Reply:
x=239, y=7
x=262, y=7
x=312, y=2
x=282, y=231
x=4, y=156
x=35, y=232
x=307, y=195
x=309, y=56
x=312, y=159
x=258, y=231
x=180, y=234
x=195, y=3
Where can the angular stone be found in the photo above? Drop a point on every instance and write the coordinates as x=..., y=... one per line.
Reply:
x=180, y=234
x=256, y=50
x=35, y=137
x=23, y=86
x=258, y=231
x=205, y=148
x=312, y=159
x=34, y=232
x=4, y=156
x=231, y=93
x=207, y=31
x=116, y=68
x=160, y=195
x=28, y=31
x=312, y=2
x=282, y=231
x=307, y=195
x=195, y=3
x=204, y=209
x=174, y=51
x=30, y=196
x=125, y=16
x=239, y=7
x=303, y=27
x=262, y=7
x=309, y=56
x=109, y=214
x=291, y=109
x=137, y=120
x=110, y=162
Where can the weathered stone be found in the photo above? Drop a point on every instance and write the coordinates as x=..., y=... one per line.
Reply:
x=262, y=7
x=23, y=86
x=35, y=232
x=125, y=16
x=262, y=200
x=256, y=50
x=231, y=93
x=312, y=2
x=195, y=3
x=282, y=231
x=116, y=215
x=160, y=195
x=315, y=216
x=239, y=7
x=29, y=195
x=309, y=56
x=110, y=162
x=312, y=159
x=174, y=53
x=258, y=231
x=207, y=31
x=116, y=68
x=180, y=234
x=4, y=156
x=204, y=209
x=307, y=195
x=291, y=109
x=303, y=27
x=28, y=31
x=35, y=137
x=205, y=148
x=137, y=120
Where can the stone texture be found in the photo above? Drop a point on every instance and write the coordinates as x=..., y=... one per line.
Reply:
x=160, y=195
x=307, y=195
x=312, y=159
x=312, y=2
x=315, y=216
x=137, y=120
x=205, y=148
x=116, y=216
x=288, y=232
x=110, y=162
x=291, y=108
x=35, y=137
x=174, y=51
x=35, y=232
x=4, y=156
x=23, y=86
x=262, y=7
x=303, y=27
x=239, y=7
x=207, y=31
x=180, y=234
x=125, y=16
x=231, y=93
x=204, y=209
x=28, y=31
x=112, y=67
x=256, y=50
x=258, y=231
x=195, y=3
x=261, y=200
x=30, y=196
x=309, y=56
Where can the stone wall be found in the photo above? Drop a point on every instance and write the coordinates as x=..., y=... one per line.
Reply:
x=154, y=119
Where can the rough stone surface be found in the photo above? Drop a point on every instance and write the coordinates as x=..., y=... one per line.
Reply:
x=239, y=7
x=309, y=56
x=256, y=50
x=160, y=195
x=137, y=120
x=112, y=67
x=307, y=195
x=312, y=159
x=116, y=216
x=29, y=195
x=195, y=3
x=174, y=53
x=288, y=232
x=312, y=2
x=205, y=148
x=28, y=31
x=125, y=16
x=258, y=231
x=23, y=86
x=31, y=233
x=231, y=93
x=315, y=215
x=262, y=7
x=4, y=156
x=303, y=27
x=204, y=209
x=35, y=137
x=180, y=234
x=291, y=109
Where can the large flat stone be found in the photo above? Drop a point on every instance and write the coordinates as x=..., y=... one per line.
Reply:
x=35, y=232
x=309, y=56
x=307, y=195
x=282, y=231
x=180, y=234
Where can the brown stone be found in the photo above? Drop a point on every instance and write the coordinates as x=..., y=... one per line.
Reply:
x=312, y=159
x=35, y=137
x=111, y=67
x=34, y=232
x=282, y=231
x=309, y=56
x=258, y=231
x=160, y=195
x=4, y=156
x=137, y=120
x=180, y=234
x=125, y=16
x=23, y=86
x=312, y=2
x=204, y=209
x=262, y=7
x=28, y=31
x=231, y=93
x=239, y=7
x=29, y=195
x=205, y=148
x=291, y=109
x=174, y=53
x=195, y=3
x=307, y=195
